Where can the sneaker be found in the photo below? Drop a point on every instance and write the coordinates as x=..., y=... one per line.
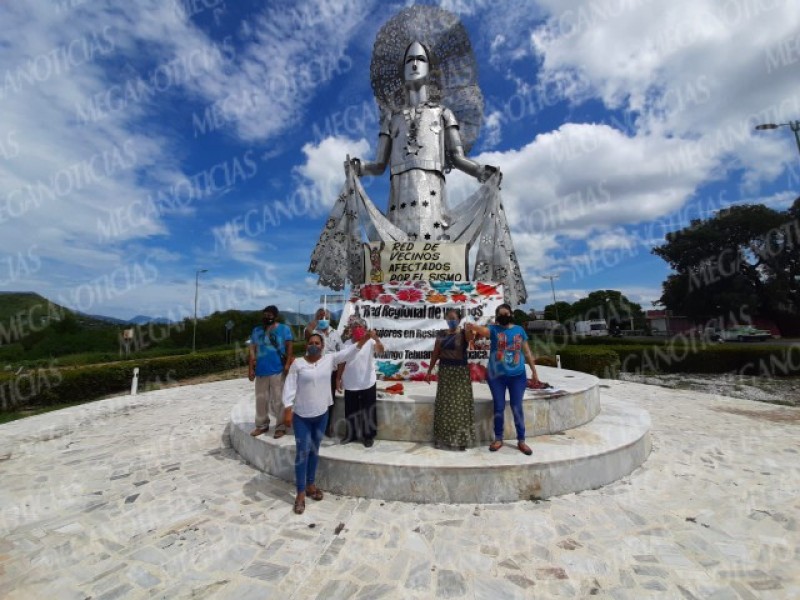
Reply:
x=368, y=443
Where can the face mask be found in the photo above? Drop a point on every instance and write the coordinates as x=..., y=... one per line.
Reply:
x=504, y=319
x=358, y=333
x=313, y=350
x=452, y=324
x=322, y=324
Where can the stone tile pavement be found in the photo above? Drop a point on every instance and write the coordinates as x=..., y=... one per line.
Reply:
x=142, y=497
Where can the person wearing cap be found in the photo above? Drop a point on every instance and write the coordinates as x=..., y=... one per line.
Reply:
x=269, y=360
x=357, y=377
x=321, y=325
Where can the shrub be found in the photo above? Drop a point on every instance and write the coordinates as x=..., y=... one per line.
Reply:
x=761, y=360
x=601, y=362
x=546, y=361
x=45, y=387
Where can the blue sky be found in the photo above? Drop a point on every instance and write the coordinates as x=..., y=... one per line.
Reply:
x=142, y=141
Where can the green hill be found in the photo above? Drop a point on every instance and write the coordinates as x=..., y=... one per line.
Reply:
x=31, y=311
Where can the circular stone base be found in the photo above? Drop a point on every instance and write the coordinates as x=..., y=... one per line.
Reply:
x=408, y=417
x=604, y=450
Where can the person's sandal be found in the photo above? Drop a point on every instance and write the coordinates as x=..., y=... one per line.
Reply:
x=495, y=446
x=279, y=433
x=315, y=495
x=259, y=431
x=299, y=507
x=524, y=448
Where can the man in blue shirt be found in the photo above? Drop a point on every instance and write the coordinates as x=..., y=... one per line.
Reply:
x=270, y=358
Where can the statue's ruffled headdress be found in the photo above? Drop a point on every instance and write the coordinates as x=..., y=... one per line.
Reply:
x=454, y=71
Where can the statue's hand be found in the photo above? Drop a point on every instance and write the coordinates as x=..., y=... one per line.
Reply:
x=488, y=171
x=355, y=164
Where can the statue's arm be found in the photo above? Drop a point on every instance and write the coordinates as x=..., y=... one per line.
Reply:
x=382, y=154
x=381, y=158
x=460, y=161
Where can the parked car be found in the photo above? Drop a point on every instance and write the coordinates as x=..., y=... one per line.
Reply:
x=743, y=334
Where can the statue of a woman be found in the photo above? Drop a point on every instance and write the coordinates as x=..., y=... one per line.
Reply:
x=417, y=142
x=424, y=77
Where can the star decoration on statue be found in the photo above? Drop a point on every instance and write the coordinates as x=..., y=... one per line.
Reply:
x=427, y=236
x=413, y=147
x=425, y=204
x=392, y=207
x=403, y=205
x=413, y=236
x=433, y=192
x=436, y=225
x=414, y=203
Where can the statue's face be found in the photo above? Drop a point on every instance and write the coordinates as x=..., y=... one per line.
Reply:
x=417, y=63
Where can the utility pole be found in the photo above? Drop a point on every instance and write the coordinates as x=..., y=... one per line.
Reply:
x=196, y=289
x=553, y=287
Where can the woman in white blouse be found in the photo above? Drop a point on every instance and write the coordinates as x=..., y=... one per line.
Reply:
x=307, y=396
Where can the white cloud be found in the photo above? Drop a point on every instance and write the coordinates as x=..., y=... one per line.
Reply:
x=585, y=177
x=323, y=170
x=492, y=129
x=79, y=155
x=702, y=71
x=294, y=50
x=612, y=240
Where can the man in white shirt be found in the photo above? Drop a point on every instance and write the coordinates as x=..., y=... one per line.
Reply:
x=359, y=381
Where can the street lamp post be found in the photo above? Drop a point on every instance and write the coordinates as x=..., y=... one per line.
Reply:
x=553, y=287
x=299, y=324
x=196, y=290
x=793, y=125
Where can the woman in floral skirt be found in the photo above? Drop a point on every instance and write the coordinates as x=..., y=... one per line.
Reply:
x=454, y=410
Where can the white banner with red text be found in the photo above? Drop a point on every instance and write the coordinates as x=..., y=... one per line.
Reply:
x=408, y=315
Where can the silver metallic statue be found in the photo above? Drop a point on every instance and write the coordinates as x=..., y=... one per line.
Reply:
x=413, y=142
x=424, y=77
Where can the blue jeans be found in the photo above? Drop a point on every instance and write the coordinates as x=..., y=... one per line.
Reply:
x=515, y=385
x=308, y=434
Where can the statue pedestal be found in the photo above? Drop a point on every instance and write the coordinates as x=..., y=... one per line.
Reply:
x=408, y=417
x=607, y=447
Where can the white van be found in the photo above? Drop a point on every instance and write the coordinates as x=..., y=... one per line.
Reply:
x=596, y=327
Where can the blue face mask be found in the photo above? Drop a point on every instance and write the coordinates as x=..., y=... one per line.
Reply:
x=313, y=350
x=323, y=324
x=452, y=324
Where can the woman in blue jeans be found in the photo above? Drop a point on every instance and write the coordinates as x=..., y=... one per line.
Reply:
x=306, y=398
x=506, y=371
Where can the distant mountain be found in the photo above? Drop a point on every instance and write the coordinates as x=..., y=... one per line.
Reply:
x=143, y=320
x=105, y=319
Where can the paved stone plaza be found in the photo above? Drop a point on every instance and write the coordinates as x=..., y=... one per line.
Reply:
x=143, y=498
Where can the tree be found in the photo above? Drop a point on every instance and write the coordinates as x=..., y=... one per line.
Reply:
x=611, y=305
x=740, y=263
x=560, y=311
x=521, y=318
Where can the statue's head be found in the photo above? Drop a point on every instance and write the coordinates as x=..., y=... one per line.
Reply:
x=416, y=64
